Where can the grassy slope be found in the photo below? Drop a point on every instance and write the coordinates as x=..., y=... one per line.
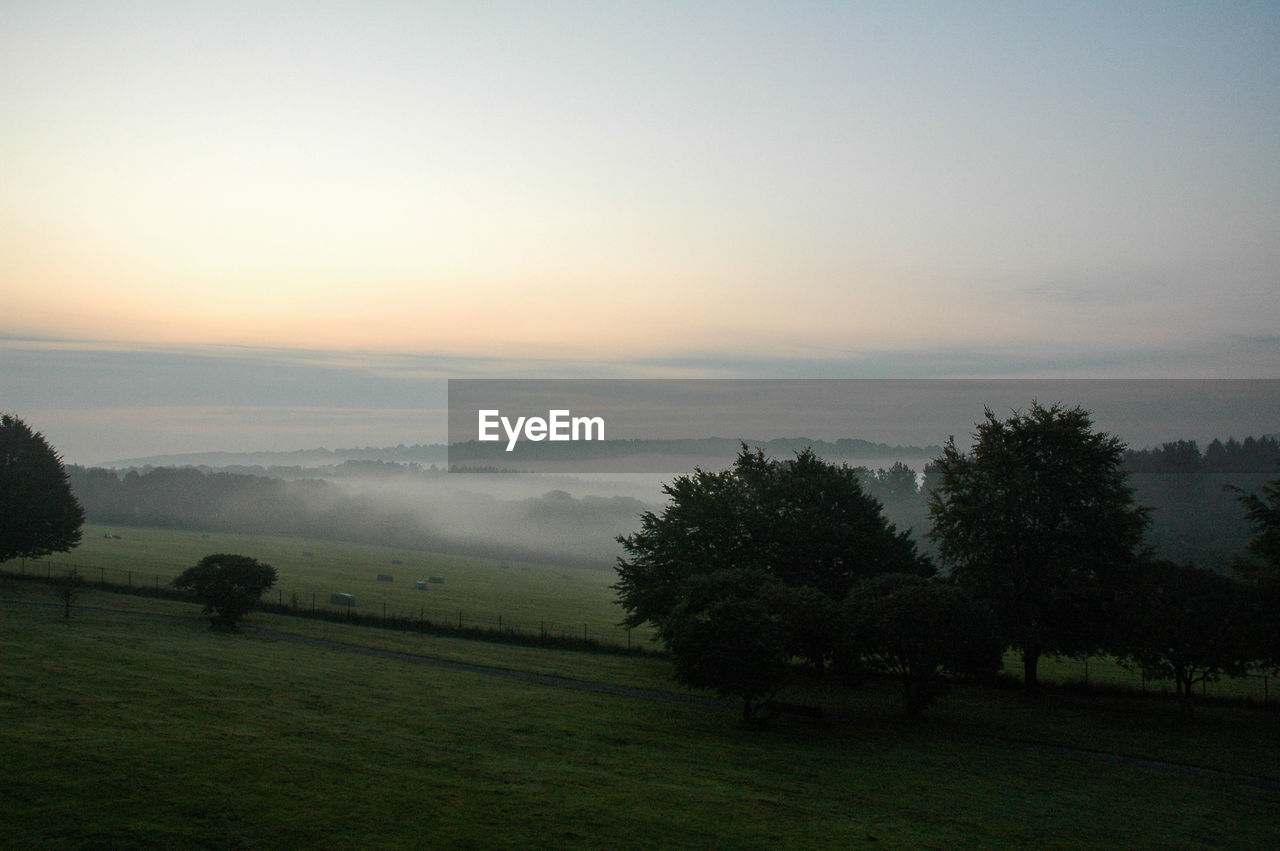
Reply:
x=524, y=594
x=130, y=731
x=527, y=595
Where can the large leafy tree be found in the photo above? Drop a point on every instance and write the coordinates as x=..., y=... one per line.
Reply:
x=229, y=585
x=39, y=514
x=1039, y=521
x=1263, y=512
x=804, y=522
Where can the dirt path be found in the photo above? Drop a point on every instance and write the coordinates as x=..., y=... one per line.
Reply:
x=1058, y=751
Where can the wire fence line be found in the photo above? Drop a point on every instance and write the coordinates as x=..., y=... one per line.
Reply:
x=1090, y=671
x=324, y=605
x=1104, y=672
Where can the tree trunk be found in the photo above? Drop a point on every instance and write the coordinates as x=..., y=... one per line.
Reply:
x=1182, y=681
x=1030, y=659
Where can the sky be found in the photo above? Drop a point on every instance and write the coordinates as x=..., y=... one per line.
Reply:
x=275, y=225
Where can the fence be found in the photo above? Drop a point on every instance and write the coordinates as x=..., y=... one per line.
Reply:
x=1104, y=672
x=1091, y=671
x=320, y=605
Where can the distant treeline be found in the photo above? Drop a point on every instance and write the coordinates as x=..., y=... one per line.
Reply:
x=1251, y=455
x=1196, y=516
x=439, y=455
x=707, y=447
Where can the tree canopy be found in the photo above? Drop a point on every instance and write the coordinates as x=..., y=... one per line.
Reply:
x=229, y=585
x=1263, y=512
x=1039, y=521
x=804, y=522
x=39, y=514
x=919, y=630
x=731, y=632
x=1188, y=624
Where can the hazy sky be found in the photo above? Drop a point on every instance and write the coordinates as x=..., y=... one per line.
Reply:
x=366, y=198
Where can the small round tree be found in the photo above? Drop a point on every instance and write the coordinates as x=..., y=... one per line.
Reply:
x=921, y=631
x=229, y=586
x=730, y=633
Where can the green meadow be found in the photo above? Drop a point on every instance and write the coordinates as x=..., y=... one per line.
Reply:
x=148, y=729
x=527, y=596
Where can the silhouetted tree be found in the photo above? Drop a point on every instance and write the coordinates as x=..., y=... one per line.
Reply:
x=921, y=630
x=229, y=585
x=1263, y=512
x=804, y=522
x=1039, y=521
x=729, y=632
x=1188, y=624
x=38, y=513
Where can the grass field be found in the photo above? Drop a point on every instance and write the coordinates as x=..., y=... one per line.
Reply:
x=531, y=597
x=522, y=595
x=127, y=731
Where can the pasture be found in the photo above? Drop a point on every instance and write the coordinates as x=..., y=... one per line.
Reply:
x=130, y=731
x=527, y=596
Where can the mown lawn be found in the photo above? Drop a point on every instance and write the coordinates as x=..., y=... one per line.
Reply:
x=124, y=731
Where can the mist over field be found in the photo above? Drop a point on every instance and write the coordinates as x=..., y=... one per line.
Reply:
x=578, y=518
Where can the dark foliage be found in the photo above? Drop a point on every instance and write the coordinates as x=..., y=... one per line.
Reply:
x=730, y=632
x=920, y=631
x=1262, y=567
x=1188, y=624
x=39, y=514
x=229, y=585
x=1039, y=521
x=804, y=522
x=1263, y=512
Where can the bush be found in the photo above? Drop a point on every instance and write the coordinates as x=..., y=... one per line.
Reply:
x=229, y=586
